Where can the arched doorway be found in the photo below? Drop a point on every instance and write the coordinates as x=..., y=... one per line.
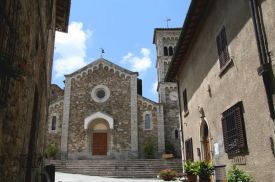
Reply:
x=205, y=141
x=99, y=137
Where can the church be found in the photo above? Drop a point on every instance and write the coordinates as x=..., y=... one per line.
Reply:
x=101, y=112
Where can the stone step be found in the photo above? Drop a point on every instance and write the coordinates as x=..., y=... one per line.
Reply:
x=117, y=168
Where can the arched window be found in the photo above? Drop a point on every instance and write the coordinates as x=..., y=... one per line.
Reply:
x=147, y=122
x=54, y=123
x=171, y=51
x=165, y=51
x=176, y=134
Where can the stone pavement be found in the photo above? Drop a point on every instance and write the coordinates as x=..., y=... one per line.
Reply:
x=65, y=177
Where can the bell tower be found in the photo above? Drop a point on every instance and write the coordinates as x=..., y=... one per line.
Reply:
x=165, y=40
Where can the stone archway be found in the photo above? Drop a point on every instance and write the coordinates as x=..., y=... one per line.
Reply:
x=205, y=141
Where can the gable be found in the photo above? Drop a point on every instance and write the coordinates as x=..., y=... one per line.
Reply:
x=101, y=63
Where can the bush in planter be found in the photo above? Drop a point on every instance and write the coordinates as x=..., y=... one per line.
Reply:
x=148, y=149
x=205, y=170
x=51, y=150
x=169, y=148
x=167, y=174
x=191, y=169
x=235, y=174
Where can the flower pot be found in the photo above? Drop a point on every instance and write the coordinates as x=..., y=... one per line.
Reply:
x=205, y=180
x=168, y=178
x=191, y=178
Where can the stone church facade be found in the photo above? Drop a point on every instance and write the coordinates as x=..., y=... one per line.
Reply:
x=102, y=113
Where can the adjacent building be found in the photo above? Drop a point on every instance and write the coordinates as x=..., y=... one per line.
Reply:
x=27, y=36
x=224, y=67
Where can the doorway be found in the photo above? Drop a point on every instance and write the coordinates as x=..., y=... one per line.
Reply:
x=205, y=141
x=99, y=144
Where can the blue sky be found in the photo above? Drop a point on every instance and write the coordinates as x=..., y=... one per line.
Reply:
x=124, y=28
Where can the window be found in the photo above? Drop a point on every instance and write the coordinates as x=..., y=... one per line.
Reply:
x=165, y=51
x=234, y=136
x=54, y=123
x=147, y=122
x=184, y=97
x=222, y=48
x=189, y=150
x=171, y=51
x=176, y=134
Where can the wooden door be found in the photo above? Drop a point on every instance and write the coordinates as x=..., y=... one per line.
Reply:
x=207, y=151
x=99, y=144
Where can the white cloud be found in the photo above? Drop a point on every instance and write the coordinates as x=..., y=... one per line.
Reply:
x=70, y=49
x=142, y=63
x=154, y=87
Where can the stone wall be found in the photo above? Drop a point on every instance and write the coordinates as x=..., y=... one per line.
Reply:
x=215, y=92
x=30, y=27
x=82, y=105
x=147, y=135
x=171, y=120
x=54, y=136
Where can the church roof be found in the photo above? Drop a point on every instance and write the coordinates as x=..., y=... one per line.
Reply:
x=104, y=62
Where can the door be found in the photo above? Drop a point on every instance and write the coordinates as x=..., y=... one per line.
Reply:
x=99, y=144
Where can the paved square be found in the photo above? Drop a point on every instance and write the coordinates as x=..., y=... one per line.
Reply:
x=65, y=177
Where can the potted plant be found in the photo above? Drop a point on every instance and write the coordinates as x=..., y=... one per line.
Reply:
x=205, y=170
x=167, y=174
x=51, y=151
x=148, y=149
x=169, y=151
x=235, y=174
x=191, y=170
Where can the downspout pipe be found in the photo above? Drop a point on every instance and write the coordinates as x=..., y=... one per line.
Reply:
x=265, y=69
x=181, y=127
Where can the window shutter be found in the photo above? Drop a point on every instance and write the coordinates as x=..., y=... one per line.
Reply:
x=240, y=128
x=222, y=46
x=225, y=134
x=189, y=150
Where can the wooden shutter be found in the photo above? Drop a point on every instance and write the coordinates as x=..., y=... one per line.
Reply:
x=240, y=127
x=189, y=150
x=225, y=134
x=234, y=130
x=222, y=46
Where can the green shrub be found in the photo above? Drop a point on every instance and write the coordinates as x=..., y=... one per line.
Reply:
x=148, y=149
x=51, y=150
x=205, y=169
x=191, y=168
x=235, y=174
x=167, y=174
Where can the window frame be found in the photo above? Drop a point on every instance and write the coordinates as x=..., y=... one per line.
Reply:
x=54, y=120
x=185, y=102
x=147, y=113
x=234, y=133
x=223, y=49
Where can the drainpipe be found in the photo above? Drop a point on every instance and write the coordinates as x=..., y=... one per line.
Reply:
x=265, y=69
x=181, y=128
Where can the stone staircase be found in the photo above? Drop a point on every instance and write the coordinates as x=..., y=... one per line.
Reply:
x=134, y=168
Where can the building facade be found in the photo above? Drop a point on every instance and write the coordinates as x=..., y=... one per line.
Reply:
x=103, y=114
x=26, y=49
x=227, y=110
